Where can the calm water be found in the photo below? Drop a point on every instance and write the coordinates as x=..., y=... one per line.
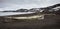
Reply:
x=14, y=13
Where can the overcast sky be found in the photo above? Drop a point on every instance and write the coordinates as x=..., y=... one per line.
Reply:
x=17, y=4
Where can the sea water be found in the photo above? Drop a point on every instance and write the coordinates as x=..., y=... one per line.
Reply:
x=14, y=13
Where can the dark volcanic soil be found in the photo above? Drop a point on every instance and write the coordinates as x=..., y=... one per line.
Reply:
x=47, y=23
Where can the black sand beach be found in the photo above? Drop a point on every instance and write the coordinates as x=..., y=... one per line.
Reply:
x=50, y=22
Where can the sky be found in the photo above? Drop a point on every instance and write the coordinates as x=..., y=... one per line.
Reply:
x=6, y=5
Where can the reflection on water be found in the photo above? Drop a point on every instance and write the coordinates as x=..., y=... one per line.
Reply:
x=14, y=13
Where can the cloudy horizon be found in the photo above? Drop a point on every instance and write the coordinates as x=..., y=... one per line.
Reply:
x=18, y=4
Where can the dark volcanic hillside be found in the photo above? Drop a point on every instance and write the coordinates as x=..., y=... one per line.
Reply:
x=50, y=9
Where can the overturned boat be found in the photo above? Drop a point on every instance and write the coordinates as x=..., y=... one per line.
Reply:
x=20, y=15
x=10, y=16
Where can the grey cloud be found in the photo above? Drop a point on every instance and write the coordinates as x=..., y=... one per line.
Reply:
x=34, y=1
x=15, y=4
